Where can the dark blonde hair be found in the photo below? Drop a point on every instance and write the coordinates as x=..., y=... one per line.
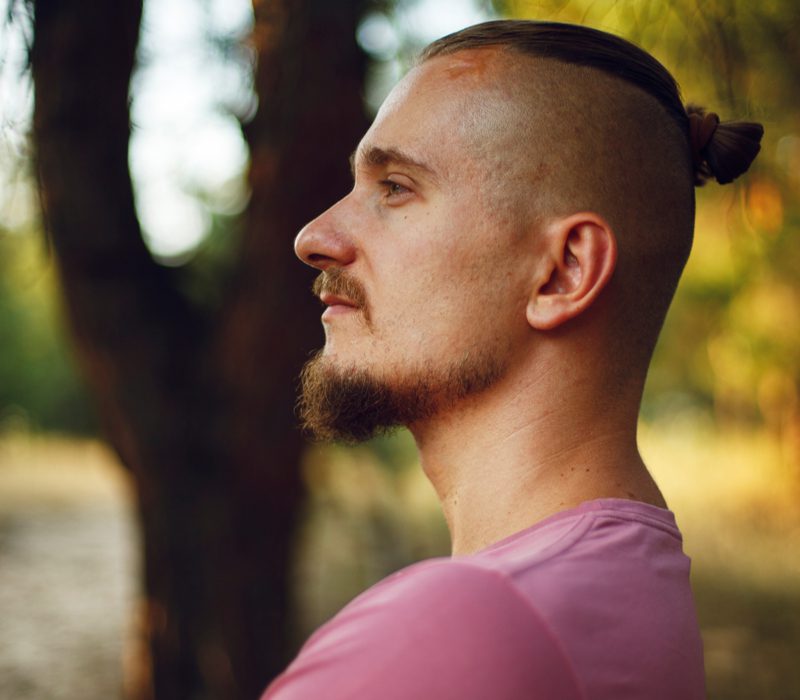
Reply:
x=725, y=151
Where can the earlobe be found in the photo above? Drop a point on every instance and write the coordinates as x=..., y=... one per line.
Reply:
x=580, y=261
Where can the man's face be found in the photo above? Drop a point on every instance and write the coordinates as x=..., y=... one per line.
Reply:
x=424, y=270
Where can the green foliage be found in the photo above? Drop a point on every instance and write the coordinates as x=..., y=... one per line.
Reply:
x=38, y=385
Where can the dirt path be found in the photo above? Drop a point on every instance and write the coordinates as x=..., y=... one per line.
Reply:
x=67, y=572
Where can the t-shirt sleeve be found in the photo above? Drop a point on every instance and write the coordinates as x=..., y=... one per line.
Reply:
x=440, y=630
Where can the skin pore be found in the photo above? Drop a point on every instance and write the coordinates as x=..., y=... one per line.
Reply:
x=504, y=209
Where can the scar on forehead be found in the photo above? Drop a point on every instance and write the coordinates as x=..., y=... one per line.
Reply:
x=473, y=63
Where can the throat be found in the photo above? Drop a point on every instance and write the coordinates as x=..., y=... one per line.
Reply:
x=490, y=490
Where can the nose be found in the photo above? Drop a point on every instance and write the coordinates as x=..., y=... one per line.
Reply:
x=322, y=243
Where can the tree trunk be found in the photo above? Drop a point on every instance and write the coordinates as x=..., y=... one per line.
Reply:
x=198, y=406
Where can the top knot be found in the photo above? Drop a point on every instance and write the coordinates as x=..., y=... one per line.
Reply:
x=721, y=150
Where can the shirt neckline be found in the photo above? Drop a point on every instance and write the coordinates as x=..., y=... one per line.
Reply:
x=630, y=509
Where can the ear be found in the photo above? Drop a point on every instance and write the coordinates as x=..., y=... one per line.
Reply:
x=579, y=259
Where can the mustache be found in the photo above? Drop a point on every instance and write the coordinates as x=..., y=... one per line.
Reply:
x=336, y=281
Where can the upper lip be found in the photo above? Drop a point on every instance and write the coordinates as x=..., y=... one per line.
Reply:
x=335, y=300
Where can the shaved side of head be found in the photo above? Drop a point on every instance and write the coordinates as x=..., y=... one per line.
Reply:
x=558, y=138
x=575, y=119
x=576, y=139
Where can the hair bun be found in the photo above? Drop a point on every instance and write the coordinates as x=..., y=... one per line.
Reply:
x=721, y=150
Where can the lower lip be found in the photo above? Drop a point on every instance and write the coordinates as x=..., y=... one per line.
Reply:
x=338, y=310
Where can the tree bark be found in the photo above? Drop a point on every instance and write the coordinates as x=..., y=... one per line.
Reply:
x=198, y=405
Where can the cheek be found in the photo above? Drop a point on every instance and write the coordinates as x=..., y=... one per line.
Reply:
x=459, y=302
x=452, y=278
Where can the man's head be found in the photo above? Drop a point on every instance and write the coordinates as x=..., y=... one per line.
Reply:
x=525, y=192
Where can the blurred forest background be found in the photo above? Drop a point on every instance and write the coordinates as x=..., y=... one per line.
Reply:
x=164, y=532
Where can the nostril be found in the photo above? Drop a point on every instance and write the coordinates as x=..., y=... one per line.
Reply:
x=317, y=258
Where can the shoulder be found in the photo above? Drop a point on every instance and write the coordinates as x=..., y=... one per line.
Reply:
x=443, y=628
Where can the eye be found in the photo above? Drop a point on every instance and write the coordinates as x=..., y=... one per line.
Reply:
x=394, y=192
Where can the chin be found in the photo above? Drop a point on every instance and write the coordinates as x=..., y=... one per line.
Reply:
x=342, y=399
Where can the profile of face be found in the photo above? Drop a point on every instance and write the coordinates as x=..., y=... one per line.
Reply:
x=422, y=273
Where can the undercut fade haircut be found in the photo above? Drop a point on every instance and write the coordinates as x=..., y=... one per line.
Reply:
x=726, y=153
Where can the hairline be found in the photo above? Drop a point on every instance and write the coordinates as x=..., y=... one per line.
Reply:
x=533, y=42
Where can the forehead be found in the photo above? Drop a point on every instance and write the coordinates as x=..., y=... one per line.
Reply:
x=471, y=69
x=432, y=110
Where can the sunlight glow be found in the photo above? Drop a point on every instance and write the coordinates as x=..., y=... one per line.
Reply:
x=186, y=144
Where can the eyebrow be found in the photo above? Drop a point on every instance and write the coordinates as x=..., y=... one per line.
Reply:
x=378, y=157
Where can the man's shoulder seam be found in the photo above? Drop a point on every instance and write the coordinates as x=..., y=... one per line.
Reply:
x=461, y=567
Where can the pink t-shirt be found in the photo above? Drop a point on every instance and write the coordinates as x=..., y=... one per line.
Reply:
x=592, y=603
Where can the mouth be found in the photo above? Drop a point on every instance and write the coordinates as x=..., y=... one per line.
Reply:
x=342, y=294
x=336, y=305
x=335, y=300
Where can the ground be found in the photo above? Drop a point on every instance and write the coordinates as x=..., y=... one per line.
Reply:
x=67, y=571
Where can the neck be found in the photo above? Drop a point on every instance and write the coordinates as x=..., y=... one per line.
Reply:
x=524, y=449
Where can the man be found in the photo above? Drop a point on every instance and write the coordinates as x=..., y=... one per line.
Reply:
x=522, y=209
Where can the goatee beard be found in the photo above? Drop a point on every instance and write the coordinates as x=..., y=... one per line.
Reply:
x=351, y=405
